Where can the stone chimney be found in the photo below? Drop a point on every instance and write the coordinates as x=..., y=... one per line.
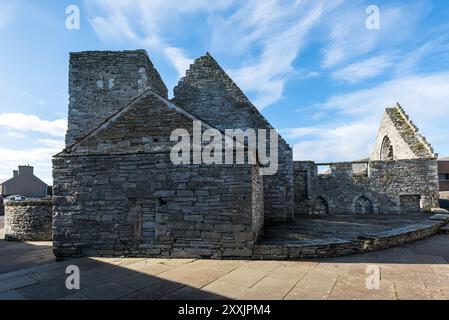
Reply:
x=26, y=170
x=15, y=173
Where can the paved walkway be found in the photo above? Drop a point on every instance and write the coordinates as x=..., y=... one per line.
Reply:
x=416, y=271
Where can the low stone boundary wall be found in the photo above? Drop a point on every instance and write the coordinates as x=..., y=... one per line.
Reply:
x=29, y=220
x=335, y=247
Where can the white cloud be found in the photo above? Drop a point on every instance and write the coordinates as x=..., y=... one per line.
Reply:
x=16, y=135
x=179, y=60
x=424, y=97
x=363, y=70
x=265, y=35
x=39, y=158
x=348, y=37
x=149, y=23
x=340, y=142
x=26, y=122
x=280, y=30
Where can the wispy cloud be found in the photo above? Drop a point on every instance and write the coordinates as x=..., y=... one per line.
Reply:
x=26, y=122
x=280, y=31
x=336, y=142
x=266, y=36
x=349, y=38
x=424, y=98
x=39, y=157
x=363, y=70
x=149, y=23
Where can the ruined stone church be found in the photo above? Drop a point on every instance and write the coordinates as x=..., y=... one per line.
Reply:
x=117, y=193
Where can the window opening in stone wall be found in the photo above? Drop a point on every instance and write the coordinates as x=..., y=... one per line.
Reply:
x=320, y=206
x=324, y=169
x=386, y=151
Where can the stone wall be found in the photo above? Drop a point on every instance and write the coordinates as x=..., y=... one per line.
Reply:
x=142, y=205
x=384, y=187
x=117, y=191
x=397, y=130
x=210, y=94
x=102, y=82
x=29, y=220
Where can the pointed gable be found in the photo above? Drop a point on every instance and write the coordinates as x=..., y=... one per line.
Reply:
x=210, y=94
x=399, y=138
x=143, y=125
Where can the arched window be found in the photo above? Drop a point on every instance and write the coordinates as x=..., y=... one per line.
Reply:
x=386, y=151
x=363, y=205
x=320, y=206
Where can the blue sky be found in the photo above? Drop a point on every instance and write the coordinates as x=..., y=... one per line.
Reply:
x=312, y=67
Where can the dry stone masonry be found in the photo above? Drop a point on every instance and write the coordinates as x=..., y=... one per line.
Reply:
x=29, y=220
x=400, y=177
x=209, y=93
x=117, y=192
x=101, y=82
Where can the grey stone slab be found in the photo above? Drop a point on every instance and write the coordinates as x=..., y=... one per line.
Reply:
x=46, y=290
x=107, y=291
x=11, y=295
x=440, y=217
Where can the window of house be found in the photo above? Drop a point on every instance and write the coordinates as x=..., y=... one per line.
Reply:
x=443, y=176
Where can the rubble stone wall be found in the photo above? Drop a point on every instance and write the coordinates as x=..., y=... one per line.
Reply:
x=384, y=187
x=143, y=205
x=28, y=220
x=102, y=82
x=210, y=94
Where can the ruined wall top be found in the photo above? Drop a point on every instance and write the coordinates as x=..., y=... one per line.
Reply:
x=209, y=93
x=101, y=82
x=399, y=138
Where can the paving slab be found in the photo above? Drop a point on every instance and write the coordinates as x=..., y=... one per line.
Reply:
x=226, y=289
x=154, y=291
x=245, y=277
x=46, y=290
x=305, y=294
x=107, y=291
x=318, y=281
x=268, y=289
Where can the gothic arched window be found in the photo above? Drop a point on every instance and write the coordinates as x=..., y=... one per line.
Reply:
x=386, y=151
x=364, y=205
